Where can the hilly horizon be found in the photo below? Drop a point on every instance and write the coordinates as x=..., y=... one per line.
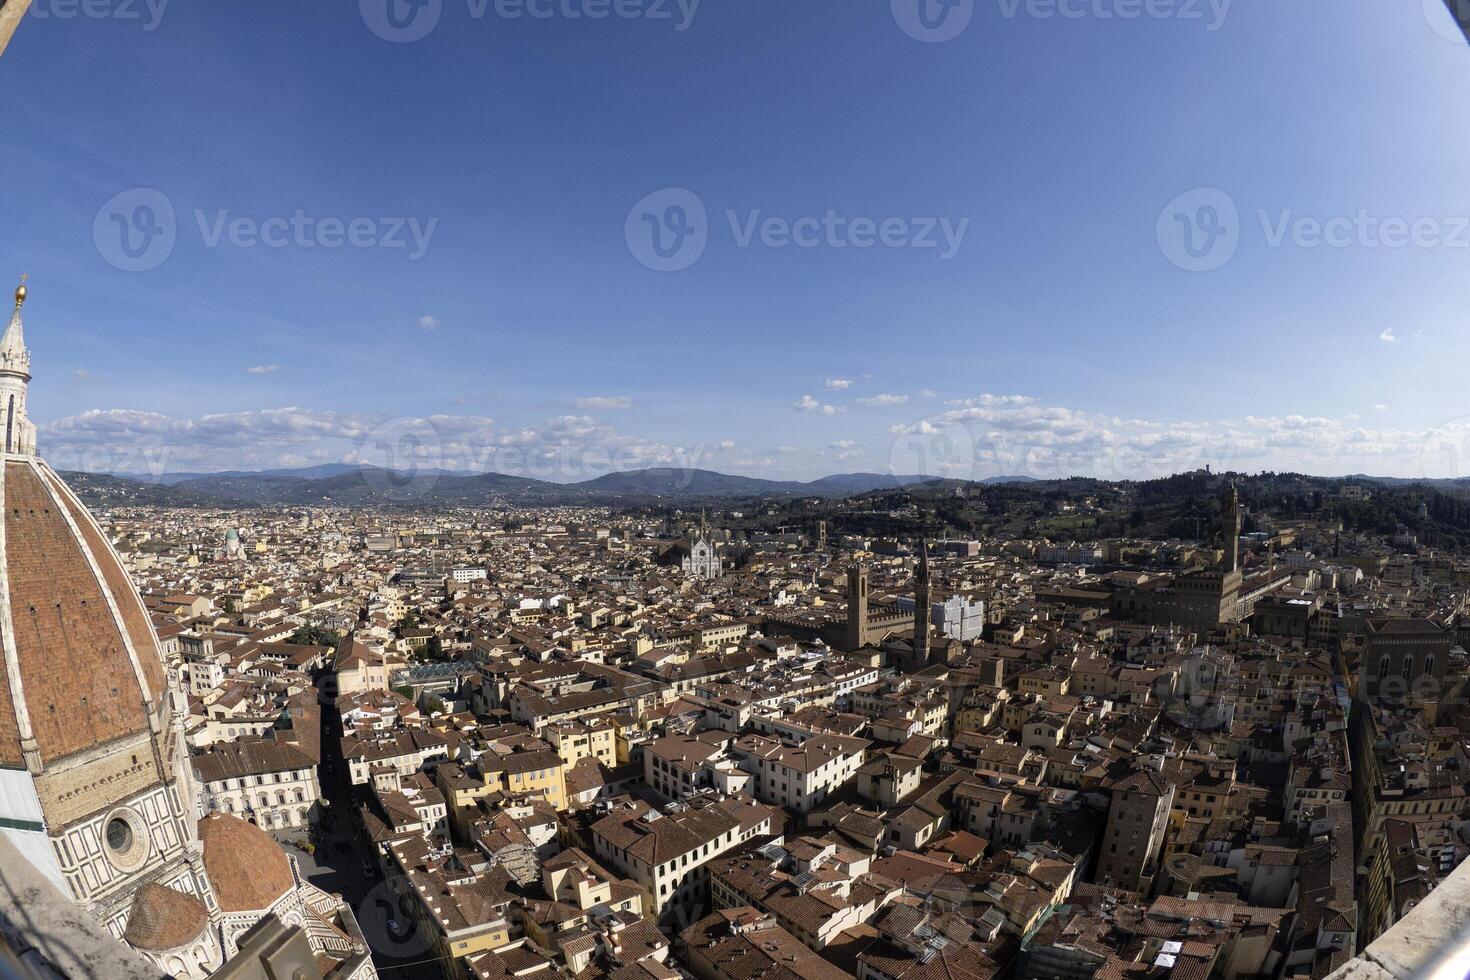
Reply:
x=322, y=471
x=650, y=480
x=349, y=484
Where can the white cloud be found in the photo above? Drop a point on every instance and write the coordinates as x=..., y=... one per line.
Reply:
x=1380, y=408
x=562, y=449
x=809, y=404
x=928, y=393
x=883, y=400
x=837, y=384
x=263, y=369
x=427, y=322
x=985, y=435
x=990, y=435
x=604, y=403
x=989, y=401
x=1387, y=336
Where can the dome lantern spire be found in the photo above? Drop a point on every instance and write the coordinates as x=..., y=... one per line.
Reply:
x=15, y=377
x=13, y=345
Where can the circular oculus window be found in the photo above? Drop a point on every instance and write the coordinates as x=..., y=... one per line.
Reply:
x=125, y=839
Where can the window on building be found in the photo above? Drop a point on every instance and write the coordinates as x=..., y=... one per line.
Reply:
x=119, y=835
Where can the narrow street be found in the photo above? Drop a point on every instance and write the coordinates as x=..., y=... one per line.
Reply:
x=399, y=952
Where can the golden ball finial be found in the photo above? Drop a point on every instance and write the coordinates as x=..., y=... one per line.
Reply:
x=20, y=292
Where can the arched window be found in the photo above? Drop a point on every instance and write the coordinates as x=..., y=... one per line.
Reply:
x=1408, y=666
x=1429, y=665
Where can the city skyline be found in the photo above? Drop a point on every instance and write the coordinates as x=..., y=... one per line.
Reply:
x=473, y=499
x=949, y=299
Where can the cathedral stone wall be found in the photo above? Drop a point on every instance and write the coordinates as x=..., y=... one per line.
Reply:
x=92, y=871
x=77, y=791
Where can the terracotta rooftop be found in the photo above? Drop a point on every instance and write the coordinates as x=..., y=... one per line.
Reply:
x=249, y=871
x=76, y=624
x=163, y=918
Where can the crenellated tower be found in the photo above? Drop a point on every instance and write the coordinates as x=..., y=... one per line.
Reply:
x=1230, y=526
x=857, y=606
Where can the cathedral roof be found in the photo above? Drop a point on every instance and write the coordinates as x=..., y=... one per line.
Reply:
x=75, y=634
x=248, y=869
x=163, y=918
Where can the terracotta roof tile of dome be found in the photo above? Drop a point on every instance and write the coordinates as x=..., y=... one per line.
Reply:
x=77, y=631
x=248, y=869
x=163, y=918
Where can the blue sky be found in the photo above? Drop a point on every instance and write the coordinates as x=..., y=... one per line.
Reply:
x=1057, y=329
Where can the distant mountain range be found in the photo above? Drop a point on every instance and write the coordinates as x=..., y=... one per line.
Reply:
x=345, y=484
x=305, y=473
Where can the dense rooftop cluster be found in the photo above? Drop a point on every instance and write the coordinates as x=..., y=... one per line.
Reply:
x=582, y=742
